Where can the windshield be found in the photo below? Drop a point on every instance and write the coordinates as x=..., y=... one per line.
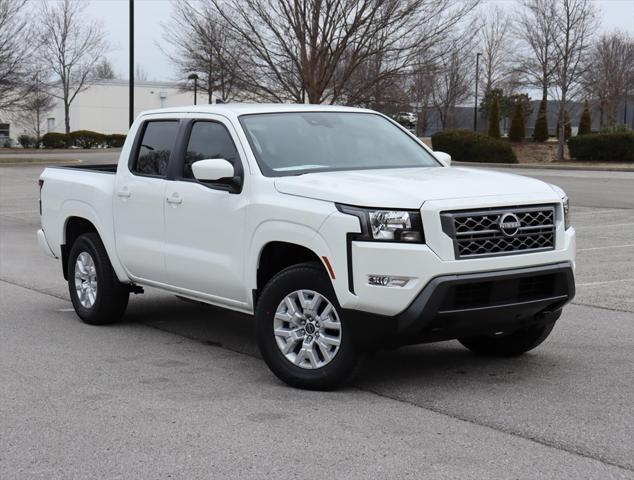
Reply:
x=300, y=142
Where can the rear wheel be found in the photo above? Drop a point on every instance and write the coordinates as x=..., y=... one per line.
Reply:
x=509, y=345
x=97, y=295
x=302, y=332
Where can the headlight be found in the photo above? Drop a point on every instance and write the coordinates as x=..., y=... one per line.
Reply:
x=387, y=225
x=566, y=205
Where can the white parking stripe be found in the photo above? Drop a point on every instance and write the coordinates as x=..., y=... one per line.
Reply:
x=605, y=282
x=605, y=248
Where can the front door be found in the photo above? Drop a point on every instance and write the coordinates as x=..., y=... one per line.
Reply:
x=204, y=223
x=139, y=201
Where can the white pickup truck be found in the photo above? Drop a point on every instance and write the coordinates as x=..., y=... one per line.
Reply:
x=337, y=228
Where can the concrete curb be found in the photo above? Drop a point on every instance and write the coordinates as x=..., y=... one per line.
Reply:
x=38, y=161
x=540, y=166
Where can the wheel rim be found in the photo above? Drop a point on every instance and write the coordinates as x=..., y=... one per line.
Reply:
x=307, y=329
x=86, y=280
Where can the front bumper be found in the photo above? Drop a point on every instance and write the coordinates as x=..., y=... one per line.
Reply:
x=454, y=306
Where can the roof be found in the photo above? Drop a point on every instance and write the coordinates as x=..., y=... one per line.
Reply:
x=236, y=109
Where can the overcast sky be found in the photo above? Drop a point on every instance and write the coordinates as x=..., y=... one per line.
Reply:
x=150, y=13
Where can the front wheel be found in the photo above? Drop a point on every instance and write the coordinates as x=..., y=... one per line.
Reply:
x=302, y=333
x=97, y=295
x=509, y=345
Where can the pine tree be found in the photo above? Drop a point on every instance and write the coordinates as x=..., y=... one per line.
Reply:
x=517, y=132
x=585, y=122
x=494, y=119
x=540, y=132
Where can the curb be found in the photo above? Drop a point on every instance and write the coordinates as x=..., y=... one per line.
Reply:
x=51, y=162
x=537, y=166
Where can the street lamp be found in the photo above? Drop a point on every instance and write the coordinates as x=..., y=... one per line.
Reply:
x=194, y=77
x=131, y=86
x=475, y=107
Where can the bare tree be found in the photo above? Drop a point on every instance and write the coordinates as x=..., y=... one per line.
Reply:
x=139, y=73
x=497, y=45
x=104, y=70
x=535, y=28
x=36, y=102
x=14, y=51
x=610, y=73
x=453, y=80
x=203, y=44
x=314, y=50
x=575, y=23
x=70, y=47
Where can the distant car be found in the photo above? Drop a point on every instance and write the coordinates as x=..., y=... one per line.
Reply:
x=336, y=227
x=8, y=142
x=406, y=118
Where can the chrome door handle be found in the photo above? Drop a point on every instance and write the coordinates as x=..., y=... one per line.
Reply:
x=174, y=199
x=124, y=193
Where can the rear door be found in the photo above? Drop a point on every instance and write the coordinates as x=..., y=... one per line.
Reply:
x=139, y=200
x=205, y=222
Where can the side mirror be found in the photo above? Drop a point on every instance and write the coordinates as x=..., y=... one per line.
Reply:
x=444, y=158
x=212, y=170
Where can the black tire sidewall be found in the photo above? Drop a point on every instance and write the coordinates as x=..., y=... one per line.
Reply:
x=337, y=372
x=112, y=297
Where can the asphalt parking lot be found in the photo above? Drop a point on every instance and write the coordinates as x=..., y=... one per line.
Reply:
x=177, y=390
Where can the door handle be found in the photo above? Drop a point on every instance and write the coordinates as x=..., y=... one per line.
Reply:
x=124, y=193
x=174, y=199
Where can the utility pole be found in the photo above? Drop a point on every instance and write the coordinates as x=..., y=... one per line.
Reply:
x=475, y=107
x=131, y=91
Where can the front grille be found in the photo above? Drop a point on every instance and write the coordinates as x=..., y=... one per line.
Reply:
x=500, y=231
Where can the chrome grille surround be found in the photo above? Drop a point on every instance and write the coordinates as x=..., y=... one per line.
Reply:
x=478, y=233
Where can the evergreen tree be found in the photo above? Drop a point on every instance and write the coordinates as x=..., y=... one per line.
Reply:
x=517, y=132
x=494, y=119
x=585, y=122
x=540, y=132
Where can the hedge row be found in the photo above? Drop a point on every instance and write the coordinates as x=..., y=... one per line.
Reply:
x=82, y=139
x=467, y=146
x=603, y=147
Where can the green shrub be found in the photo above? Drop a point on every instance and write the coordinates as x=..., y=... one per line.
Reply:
x=603, y=147
x=27, y=141
x=540, y=131
x=87, y=138
x=56, y=140
x=115, y=140
x=517, y=132
x=467, y=146
x=585, y=122
x=494, y=119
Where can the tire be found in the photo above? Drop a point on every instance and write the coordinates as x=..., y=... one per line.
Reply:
x=511, y=345
x=110, y=297
x=328, y=366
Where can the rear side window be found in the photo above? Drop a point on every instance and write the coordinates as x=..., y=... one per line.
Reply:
x=156, y=147
x=209, y=140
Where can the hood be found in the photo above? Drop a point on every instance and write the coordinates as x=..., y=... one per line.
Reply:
x=407, y=187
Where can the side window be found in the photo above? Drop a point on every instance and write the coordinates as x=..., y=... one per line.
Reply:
x=209, y=140
x=155, y=147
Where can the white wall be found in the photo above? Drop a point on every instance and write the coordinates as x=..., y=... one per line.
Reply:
x=103, y=107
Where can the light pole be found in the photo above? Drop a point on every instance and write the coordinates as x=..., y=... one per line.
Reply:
x=131, y=87
x=194, y=77
x=475, y=107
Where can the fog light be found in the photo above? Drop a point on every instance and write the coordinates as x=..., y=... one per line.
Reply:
x=387, y=281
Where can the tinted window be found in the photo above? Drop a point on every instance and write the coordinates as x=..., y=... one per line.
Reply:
x=156, y=147
x=209, y=140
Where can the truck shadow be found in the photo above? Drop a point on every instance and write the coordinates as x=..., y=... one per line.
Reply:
x=437, y=366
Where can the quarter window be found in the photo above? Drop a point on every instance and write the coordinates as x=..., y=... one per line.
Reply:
x=156, y=147
x=209, y=140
